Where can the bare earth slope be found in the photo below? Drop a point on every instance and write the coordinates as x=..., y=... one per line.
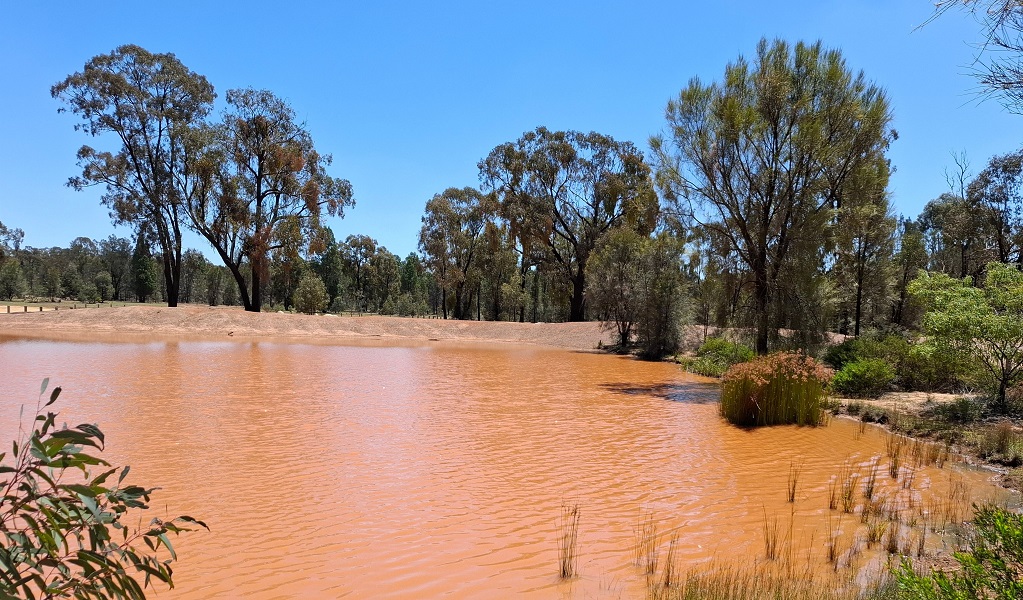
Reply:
x=227, y=323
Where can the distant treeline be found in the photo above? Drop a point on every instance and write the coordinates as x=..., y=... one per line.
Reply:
x=762, y=205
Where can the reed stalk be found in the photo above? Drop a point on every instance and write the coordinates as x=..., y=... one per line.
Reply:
x=794, y=471
x=568, y=540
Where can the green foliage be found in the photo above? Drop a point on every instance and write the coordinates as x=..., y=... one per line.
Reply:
x=635, y=284
x=864, y=378
x=984, y=323
x=12, y=282
x=780, y=388
x=149, y=104
x=562, y=190
x=757, y=160
x=928, y=367
x=961, y=410
x=991, y=566
x=716, y=355
x=143, y=271
x=67, y=531
x=311, y=295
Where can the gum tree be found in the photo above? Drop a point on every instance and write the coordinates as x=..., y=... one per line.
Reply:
x=562, y=190
x=147, y=103
x=760, y=160
x=984, y=323
x=263, y=189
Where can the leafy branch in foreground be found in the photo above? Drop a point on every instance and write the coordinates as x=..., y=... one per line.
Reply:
x=62, y=529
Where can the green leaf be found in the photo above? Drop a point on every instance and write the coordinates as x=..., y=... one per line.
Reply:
x=53, y=395
x=42, y=388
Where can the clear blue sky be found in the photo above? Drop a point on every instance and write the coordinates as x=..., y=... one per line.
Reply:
x=408, y=96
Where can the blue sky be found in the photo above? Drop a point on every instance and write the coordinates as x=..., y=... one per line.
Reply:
x=408, y=97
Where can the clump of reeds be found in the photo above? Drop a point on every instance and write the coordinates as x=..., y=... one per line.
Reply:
x=831, y=546
x=848, y=495
x=794, y=471
x=876, y=528
x=568, y=540
x=770, y=537
x=647, y=543
x=757, y=583
x=670, y=575
x=870, y=484
x=786, y=387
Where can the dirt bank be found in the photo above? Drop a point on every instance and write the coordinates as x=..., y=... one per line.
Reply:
x=225, y=323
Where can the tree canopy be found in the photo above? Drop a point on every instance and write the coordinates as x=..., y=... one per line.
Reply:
x=761, y=159
x=148, y=102
x=982, y=322
x=562, y=190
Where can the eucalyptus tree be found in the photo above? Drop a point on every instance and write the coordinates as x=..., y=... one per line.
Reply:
x=263, y=188
x=910, y=257
x=956, y=233
x=356, y=251
x=997, y=191
x=563, y=190
x=452, y=239
x=146, y=102
x=761, y=159
x=864, y=238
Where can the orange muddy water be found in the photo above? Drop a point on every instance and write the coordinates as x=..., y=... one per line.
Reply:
x=440, y=470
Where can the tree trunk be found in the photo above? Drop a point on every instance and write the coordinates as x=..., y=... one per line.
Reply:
x=577, y=307
x=256, y=300
x=762, y=299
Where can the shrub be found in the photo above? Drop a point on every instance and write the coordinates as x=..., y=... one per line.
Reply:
x=928, y=368
x=864, y=378
x=960, y=410
x=311, y=295
x=836, y=356
x=786, y=387
x=990, y=567
x=67, y=532
x=716, y=355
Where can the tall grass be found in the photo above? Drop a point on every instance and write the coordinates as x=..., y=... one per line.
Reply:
x=647, y=543
x=781, y=388
x=738, y=583
x=568, y=540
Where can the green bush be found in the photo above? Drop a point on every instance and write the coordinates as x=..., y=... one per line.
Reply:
x=716, y=355
x=311, y=295
x=927, y=368
x=67, y=532
x=961, y=410
x=864, y=378
x=786, y=387
x=991, y=566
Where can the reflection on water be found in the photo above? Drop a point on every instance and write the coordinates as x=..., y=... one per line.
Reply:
x=422, y=470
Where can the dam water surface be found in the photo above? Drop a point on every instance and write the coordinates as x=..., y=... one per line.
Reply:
x=427, y=470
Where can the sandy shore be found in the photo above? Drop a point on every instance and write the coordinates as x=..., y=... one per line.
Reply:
x=233, y=323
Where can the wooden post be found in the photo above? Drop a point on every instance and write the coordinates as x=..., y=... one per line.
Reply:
x=25, y=307
x=40, y=309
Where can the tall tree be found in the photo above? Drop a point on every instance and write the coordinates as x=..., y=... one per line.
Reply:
x=147, y=102
x=956, y=232
x=264, y=189
x=997, y=191
x=760, y=159
x=863, y=241
x=452, y=239
x=563, y=190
